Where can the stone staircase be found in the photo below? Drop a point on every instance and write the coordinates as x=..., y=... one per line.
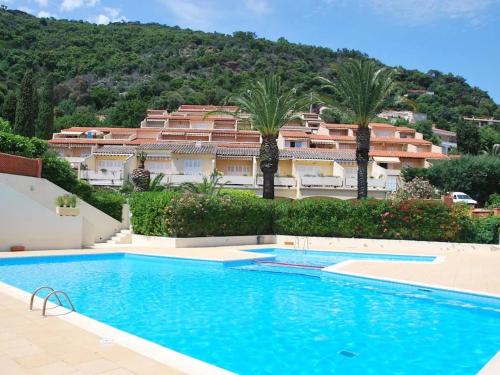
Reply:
x=120, y=238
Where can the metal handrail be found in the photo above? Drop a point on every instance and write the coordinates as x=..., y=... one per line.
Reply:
x=36, y=292
x=55, y=292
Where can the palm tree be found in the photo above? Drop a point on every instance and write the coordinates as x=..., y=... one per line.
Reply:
x=210, y=186
x=140, y=176
x=269, y=107
x=363, y=88
x=493, y=150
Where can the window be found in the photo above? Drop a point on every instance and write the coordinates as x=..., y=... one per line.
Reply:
x=192, y=167
x=296, y=144
x=310, y=170
x=115, y=165
x=158, y=167
x=346, y=146
x=238, y=170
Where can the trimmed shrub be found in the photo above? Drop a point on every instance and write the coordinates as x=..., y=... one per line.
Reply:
x=493, y=201
x=481, y=230
x=18, y=145
x=148, y=212
x=110, y=202
x=199, y=215
x=59, y=172
x=411, y=220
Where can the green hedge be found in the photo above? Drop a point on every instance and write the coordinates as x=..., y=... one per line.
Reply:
x=239, y=213
x=148, y=212
x=410, y=220
x=198, y=215
x=194, y=215
x=18, y=145
x=110, y=202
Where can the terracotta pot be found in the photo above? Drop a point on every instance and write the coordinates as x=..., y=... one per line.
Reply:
x=17, y=248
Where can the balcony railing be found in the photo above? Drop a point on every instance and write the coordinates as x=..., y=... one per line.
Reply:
x=321, y=181
x=108, y=178
x=181, y=178
x=373, y=183
x=238, y=180
x=279, y=181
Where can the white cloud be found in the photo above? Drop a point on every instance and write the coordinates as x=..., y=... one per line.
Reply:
x=69, y=5
x=191, y=13
x=258, y=6
x=42, y=3
x=421, y=11
x=44, y=14
x=108, y=15
x=432, y=9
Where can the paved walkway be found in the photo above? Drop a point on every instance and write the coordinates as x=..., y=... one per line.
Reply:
x=30, y=344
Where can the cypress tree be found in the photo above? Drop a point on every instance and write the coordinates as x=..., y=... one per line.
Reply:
x=9, y=107
x=25, y=119
x=45, y=122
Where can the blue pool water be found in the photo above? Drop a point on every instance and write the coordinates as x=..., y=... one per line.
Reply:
x=323, y=258
x=270, y=322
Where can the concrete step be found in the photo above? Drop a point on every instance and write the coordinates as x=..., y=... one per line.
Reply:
x=122, y=237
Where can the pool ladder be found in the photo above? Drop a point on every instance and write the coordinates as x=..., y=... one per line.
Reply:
x=54, y=293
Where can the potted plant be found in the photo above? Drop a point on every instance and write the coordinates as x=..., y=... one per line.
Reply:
x=66, y=205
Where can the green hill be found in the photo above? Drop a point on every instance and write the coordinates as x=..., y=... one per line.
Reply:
x=120, y=69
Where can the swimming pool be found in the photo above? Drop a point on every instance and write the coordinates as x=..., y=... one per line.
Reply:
x=328, y=258
x=262, y=322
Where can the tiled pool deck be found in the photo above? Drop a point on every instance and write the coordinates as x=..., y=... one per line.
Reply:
x=30, y=344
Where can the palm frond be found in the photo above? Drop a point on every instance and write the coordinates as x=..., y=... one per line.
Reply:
x=363, y=87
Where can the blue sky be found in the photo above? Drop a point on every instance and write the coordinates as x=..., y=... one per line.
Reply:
x=458, y=36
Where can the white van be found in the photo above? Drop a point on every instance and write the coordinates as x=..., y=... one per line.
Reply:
x=459, y=197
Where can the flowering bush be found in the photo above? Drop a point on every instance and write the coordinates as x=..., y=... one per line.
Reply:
x=410, y=220
x=418, y=188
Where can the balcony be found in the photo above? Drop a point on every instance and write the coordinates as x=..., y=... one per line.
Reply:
x=376, y=183
x=279, y=181
x=181, y=178
x=238, y=180
x=108, y=178
x=373, y=183
x=321, y=181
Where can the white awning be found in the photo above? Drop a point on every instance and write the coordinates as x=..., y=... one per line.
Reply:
x=386, y=159
x=67, y=132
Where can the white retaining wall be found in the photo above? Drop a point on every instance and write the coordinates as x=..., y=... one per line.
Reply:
x=96, y=225
x=30, y=224
x=172, y=242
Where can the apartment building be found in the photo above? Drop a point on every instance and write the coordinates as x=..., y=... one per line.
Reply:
x=316, y=158
x=410, y=116
x=448, y=139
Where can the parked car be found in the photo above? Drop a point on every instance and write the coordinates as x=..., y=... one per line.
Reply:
x=459, y=197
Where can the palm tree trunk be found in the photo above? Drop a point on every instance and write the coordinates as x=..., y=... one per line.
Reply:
x=268, y=188
x=269, y=158
x=362, y=155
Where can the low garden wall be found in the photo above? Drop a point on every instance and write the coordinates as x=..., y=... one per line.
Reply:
x=239, y=213
x=19, y=165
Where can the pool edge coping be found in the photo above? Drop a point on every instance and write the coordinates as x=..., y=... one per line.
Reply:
x=159, y=353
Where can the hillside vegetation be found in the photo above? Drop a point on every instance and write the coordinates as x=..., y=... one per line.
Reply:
x=119, y=70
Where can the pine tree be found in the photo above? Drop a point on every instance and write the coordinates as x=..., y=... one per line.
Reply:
x=25, y=119
x=45, y=122
x=9, y=107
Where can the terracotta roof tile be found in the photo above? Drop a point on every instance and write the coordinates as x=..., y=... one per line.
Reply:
x=114, y=150
x=409, y=155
